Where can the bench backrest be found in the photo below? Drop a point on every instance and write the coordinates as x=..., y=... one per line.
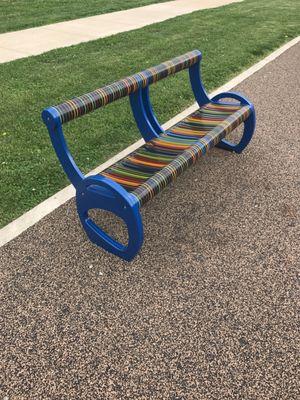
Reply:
x=86, y=103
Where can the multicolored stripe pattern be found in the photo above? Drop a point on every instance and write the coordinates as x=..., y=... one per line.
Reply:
x=158, y=162
x=86, y=103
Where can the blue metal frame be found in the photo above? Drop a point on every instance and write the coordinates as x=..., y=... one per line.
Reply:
x=143, y=114
x=99, y=192
x=249, y=124
x=197, y=86
x=149, y=111
x=52, y=121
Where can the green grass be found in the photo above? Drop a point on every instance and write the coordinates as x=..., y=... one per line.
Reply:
x=231, y=39
x=22, y=14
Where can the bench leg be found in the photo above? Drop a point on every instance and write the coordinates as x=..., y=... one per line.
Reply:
x=98, y=192
x=249, y=127
x=249, y=124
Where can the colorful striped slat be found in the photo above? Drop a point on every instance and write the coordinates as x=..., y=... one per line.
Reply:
x=152, y=167
x=86, y=103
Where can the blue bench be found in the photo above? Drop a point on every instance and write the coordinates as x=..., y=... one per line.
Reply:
x=127, y=185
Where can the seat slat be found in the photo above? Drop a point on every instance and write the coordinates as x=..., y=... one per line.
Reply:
x=152, y=167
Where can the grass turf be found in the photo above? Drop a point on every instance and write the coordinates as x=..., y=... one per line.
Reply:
x=18, y=14
x=30, y=171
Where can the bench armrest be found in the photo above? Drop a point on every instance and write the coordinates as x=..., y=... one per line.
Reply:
x=232, y=95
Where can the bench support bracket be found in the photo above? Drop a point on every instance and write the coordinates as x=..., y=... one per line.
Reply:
x=52, y=121
x=249, y=124
x=197, y=86
x=143, y=114
x=98, y=192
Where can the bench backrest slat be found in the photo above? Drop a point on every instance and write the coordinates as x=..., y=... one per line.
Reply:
x=86, y=103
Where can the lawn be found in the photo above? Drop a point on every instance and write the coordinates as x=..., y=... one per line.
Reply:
x=21, y=14
x=231, y=38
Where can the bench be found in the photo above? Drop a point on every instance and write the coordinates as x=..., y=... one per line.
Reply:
x=126, y=186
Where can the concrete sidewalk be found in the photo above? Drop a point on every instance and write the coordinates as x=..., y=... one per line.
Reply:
x=28, y=42
x=208, y=310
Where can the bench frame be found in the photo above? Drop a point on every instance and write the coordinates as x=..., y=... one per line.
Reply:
x=99, y=192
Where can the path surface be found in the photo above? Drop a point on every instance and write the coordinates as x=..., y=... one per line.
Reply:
x=209, y=308
x=28, y=42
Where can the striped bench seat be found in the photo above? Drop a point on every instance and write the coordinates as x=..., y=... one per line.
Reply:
x=126, y=186
x=148, y=170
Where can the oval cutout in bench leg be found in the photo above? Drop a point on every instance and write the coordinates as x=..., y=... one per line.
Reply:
x=98, y=192
x=249, y=124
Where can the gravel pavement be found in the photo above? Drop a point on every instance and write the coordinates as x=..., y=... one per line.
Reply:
x=208, y=310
